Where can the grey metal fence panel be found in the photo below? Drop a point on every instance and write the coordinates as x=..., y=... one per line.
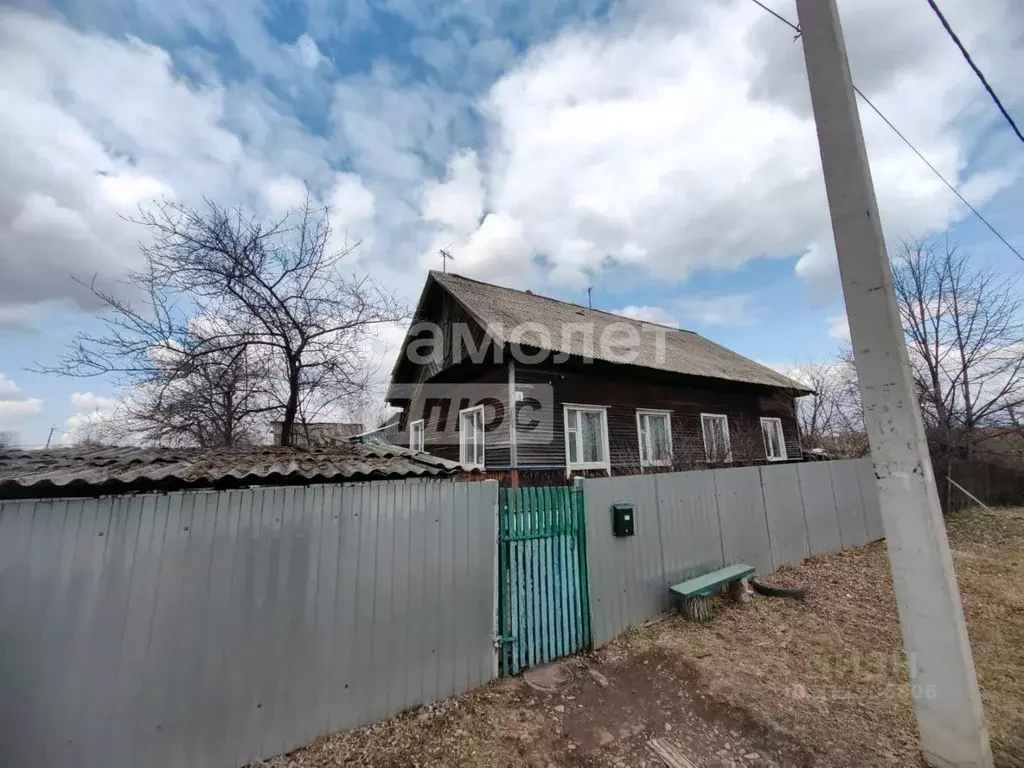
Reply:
x=820, y=507
x=766, y=516
x=216, y=628
x=784, y=510
x=690, y=533
x=853, y=527
x=742, y=516
x=628, y=573
x=869, y=495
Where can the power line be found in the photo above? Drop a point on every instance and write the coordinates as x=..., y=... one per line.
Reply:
x=781, y=18
x=977, y=71
x=924, y=159
x=906, y=141
x=778, y=16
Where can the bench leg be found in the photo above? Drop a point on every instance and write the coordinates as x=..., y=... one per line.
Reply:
x=739, y=591
x=698, y=608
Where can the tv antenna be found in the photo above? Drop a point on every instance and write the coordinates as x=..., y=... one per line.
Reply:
x=445, y=254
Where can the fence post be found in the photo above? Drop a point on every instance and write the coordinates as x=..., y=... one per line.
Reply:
x=581, y=516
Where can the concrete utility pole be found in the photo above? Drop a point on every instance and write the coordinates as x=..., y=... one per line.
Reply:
x=945, y=685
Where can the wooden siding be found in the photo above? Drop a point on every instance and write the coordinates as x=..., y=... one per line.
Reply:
x=450, y=351
x=623, y=392
x=467, y=385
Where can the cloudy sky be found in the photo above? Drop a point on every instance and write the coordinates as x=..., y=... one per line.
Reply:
x=662, y=152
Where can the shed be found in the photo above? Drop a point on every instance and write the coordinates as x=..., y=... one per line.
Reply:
x=102, y=471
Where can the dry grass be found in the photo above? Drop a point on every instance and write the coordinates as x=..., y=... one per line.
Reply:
x=831, y=670
x=821, y=682
x=988, y=548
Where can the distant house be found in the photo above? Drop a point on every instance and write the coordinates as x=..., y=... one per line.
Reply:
x=592, y=392
x=385, y=433
x=318, y=432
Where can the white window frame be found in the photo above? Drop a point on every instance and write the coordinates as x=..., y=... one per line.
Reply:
x=640, y=413
x=728, y=440
x=777, y=424
x=462, y=437
x=416, y=427
x=606, y=464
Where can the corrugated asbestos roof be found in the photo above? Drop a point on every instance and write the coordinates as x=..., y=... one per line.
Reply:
x=125, y=469
x=501, y=310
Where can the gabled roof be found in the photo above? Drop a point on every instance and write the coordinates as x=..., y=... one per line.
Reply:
x=500, y=310
x=113, y=470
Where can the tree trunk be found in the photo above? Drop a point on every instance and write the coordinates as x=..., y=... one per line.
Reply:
x=291, y=408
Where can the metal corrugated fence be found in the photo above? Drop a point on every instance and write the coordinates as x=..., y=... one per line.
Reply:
x=215, y=628
x=688, y=523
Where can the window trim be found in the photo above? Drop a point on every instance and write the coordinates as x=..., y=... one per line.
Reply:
x=581, y=466
x=483, y=441
x=639, y=437
x=704, y=434
x=412, y=426
x=782, y=438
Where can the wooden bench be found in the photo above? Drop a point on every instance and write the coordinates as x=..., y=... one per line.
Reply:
x=696, y=592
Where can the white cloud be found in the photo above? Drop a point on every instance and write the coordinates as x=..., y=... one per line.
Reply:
x=839, y=328
x=129, y=190
x=87, y=401
x=15, y=404
x=680, y=139
x=9, y=390
x=648, y=314
x=457, y=203
x=17, y=316
x=283, y=194
x=94, y=126
x=305, y=51
x=95, y=414
x=352, y=206
x=730, y=309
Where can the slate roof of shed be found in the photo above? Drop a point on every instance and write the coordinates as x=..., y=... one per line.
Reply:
x=131, y=468
x=500, y=309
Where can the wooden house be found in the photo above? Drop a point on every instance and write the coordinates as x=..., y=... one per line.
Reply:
x=591, y=392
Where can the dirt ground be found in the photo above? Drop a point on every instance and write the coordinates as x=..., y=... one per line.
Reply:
x=773, y=682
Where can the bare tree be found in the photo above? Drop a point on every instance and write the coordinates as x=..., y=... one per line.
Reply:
x=965, y=336
x=213, y=400
x=831, y=420
x=229, y=310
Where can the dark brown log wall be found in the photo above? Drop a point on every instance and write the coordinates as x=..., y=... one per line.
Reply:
x=541, y=448
x=624, y=391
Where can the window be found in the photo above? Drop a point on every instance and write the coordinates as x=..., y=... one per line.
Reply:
x=471, y=437
x=586, y=437
x=416, y=435
x=654, y=431
x=715, y=427
x=774, y=442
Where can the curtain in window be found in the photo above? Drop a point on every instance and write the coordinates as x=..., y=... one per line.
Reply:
x=716, y=441
x=592, y=436
x=774, y=442
x=478, y=437
x=572, y=430
x=472, y=428
x=657, y=428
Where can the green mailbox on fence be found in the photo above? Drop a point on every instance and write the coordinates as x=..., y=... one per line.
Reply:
x=622, y=519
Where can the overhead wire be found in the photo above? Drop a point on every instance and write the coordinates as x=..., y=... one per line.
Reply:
x=977, y=71
x=907, y=141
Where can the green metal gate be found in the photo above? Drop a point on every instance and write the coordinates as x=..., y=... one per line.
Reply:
x=543, y=605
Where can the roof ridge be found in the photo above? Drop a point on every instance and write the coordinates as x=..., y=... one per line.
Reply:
x=527, y=292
